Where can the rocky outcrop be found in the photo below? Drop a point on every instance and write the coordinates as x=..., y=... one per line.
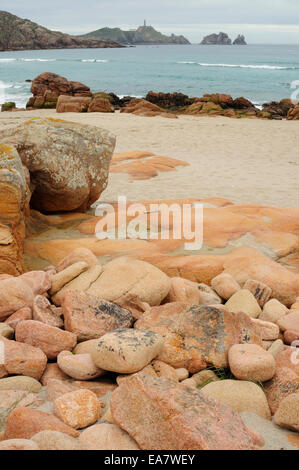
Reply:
x=240, y=40
x=222, y=105
x=72, y=104
x=293, y=114
x=279, y=110
x=8, y=106
x=68, y=162
x=17, y=34
x=143, y=35
x=141, y=107
x=47, y=87
x=54, y=91
x=169, y=100
x=216, y=39
x=100, y=105
x=14, y=199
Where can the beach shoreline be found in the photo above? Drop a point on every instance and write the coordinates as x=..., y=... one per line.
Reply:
x=244, y=160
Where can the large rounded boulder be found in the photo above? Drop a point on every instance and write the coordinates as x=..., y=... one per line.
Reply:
x=68, y=162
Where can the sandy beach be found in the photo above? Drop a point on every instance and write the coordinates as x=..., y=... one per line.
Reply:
x=243, y=160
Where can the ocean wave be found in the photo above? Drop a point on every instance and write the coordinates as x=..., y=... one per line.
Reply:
x=7, y=60
x=241, y=66
x=187, y=62
x=94, y=60
x=132, y=96
x=38, y=60
x=4, y=86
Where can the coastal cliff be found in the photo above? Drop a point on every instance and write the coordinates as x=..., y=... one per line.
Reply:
x=143, y=35
x=17, y=34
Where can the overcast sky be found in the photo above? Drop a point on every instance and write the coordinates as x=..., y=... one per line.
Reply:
x=262, y=21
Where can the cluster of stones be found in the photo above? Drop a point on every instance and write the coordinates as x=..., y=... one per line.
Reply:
x=121, y=356
x=54, y=91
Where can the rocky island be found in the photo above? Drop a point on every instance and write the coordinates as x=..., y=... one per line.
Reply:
x=17, y=34
x=223, y=39
x=143, y=35
x=240, y=40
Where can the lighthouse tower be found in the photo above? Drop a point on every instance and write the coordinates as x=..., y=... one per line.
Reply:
x=144, y=22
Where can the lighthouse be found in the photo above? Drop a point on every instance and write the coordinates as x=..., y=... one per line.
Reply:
x=144, y=23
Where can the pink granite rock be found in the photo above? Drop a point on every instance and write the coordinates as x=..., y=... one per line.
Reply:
x=198, y=335
x=106, y=437
x=77, y=255
x=284, y=383
x=251, y=362
x=49, y=339
x=291, y=336
x=22, y=359
x=287, y=415
x=18, y=444
x=289, y=358
x=78, y=366
x=14, y=295
x=261, y=291
x=52, y=371
x=78, y=409
x=47, y=313
x=290, y=321
x=225, y=285
x=90, y=317
x=39, y=281
x=161, y=414
x=20, y=315
x=23, y=423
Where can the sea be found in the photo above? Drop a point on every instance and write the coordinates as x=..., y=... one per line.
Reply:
x=261, y=73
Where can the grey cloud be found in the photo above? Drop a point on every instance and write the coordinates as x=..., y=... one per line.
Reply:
x=77, y=16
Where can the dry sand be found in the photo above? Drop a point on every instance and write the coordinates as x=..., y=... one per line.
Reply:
x=244, y=160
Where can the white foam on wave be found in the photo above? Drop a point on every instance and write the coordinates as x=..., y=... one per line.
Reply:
x=7, y=60
x=187, y=62
x=243, y=66
x=131, y=96
x=38, y=60
x=18, y=92
x=4, y=85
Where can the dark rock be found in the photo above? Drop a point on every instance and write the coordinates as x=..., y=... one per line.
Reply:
x=242, y=103
x=293, y=114
x=169, y=100
x=240, y=41
x=216, y=39
x=9, y=106
x=278, y=110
